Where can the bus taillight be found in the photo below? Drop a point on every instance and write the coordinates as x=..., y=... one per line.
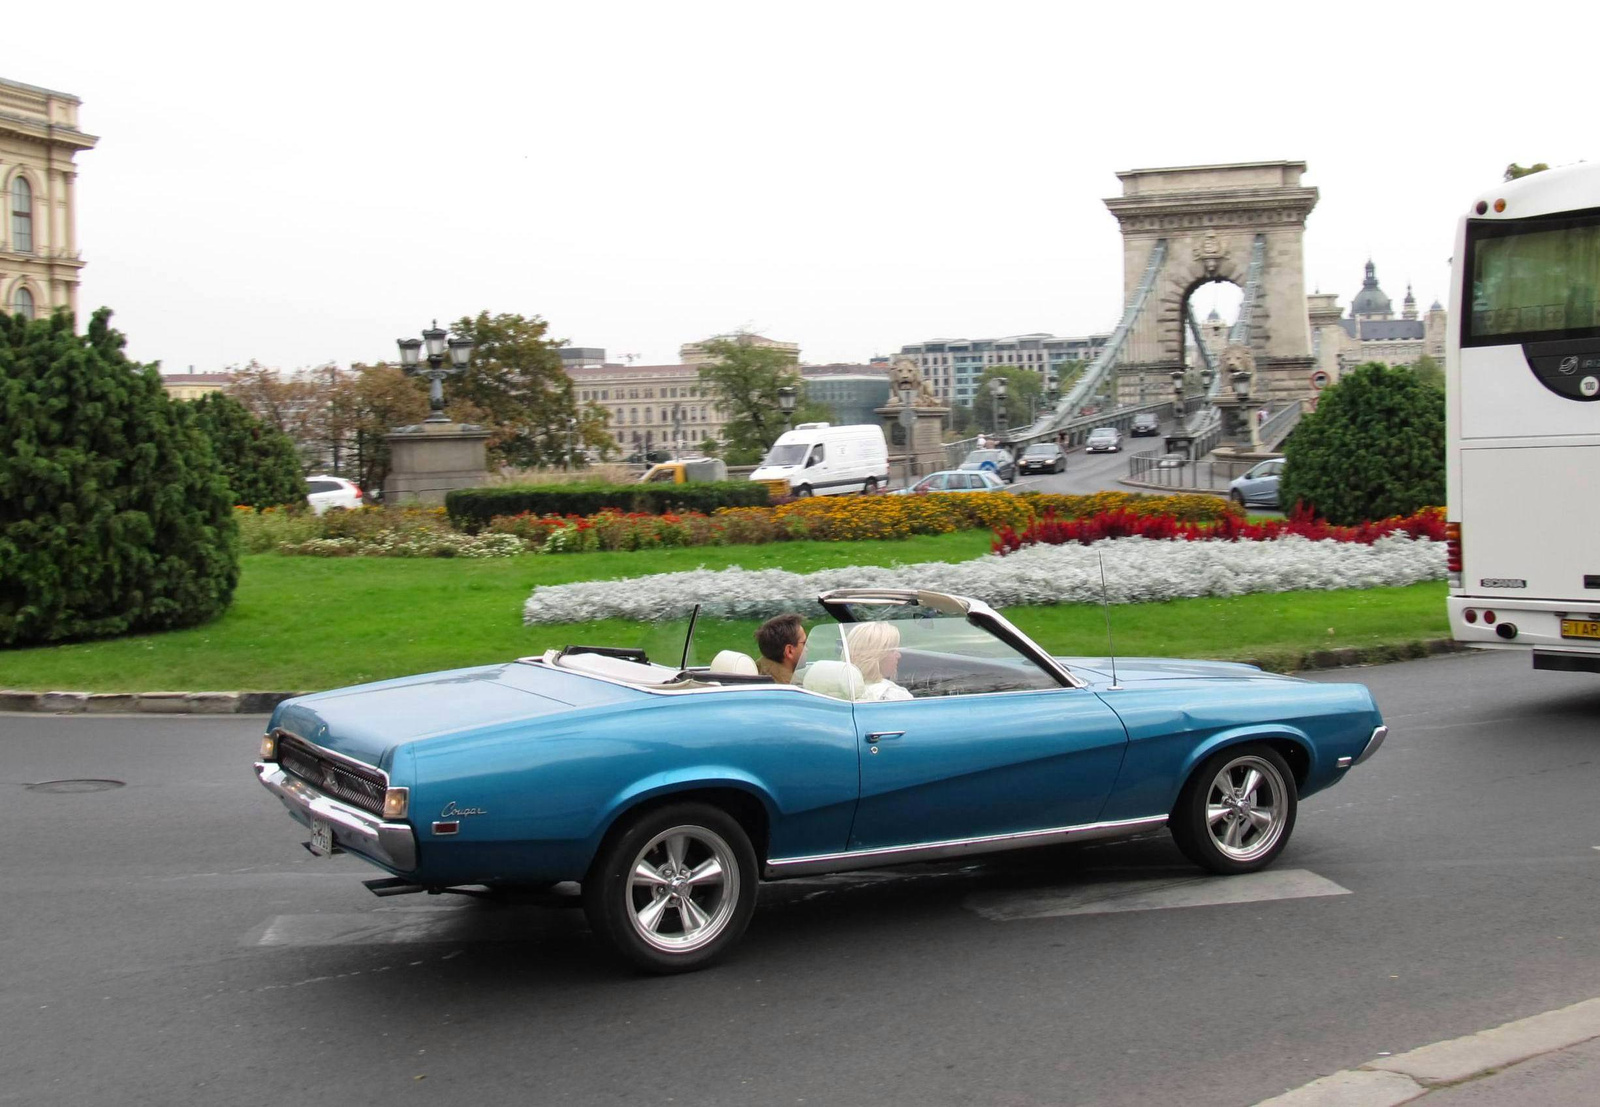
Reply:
x=1452, y=551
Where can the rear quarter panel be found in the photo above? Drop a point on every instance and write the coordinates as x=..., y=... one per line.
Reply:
x=1174, y=725
x=549, y=790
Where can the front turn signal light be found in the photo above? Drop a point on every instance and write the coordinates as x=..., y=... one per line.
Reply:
x=269, y=747
x=396, y=802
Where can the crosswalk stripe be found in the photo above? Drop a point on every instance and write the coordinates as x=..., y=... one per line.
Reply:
x=1107, y=897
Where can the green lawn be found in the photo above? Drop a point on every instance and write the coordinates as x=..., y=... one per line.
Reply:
x=306, y=623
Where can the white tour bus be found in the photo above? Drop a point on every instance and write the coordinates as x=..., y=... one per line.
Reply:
x=1523, y=374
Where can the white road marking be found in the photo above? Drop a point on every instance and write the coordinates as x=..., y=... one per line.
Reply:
x=1152, y=895
x=418, y=925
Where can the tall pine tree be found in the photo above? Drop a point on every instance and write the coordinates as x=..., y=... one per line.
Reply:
x=260, y=462
x=114, y=515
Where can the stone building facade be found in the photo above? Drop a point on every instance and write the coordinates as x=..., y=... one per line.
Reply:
x=1371, y=332
x=694, y=353
x=642, y=401
x=192, y=385
x=39, y=258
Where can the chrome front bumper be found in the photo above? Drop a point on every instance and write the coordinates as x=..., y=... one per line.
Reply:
x=390, y=844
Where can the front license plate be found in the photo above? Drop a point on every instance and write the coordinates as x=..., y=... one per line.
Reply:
x=1580, y=628
x=321, y=843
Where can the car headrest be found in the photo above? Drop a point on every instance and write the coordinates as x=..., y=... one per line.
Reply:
x=732, y=661
x=838, y=679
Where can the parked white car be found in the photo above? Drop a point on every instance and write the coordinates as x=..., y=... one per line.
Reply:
x=323, y=492
x=955, y=480
x=817, y=459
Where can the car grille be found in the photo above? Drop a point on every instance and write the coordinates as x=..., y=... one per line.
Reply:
x=358, y=785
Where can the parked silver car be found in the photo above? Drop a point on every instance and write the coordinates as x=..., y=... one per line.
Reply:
x=1259, y=486
x=955, y=480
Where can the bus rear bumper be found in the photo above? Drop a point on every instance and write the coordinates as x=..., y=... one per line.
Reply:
x=1525, y=624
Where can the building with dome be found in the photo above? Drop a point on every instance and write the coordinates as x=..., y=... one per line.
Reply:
x=1371, y=332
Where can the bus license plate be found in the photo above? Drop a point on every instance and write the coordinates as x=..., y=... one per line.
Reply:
x=1580, y=628
x=321, y=843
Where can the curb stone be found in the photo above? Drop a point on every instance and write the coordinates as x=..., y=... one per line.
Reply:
x=1410, y=1076
x=144, y=703
x=262, y=703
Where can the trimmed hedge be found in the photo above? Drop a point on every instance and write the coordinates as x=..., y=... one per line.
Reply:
x=471, y=509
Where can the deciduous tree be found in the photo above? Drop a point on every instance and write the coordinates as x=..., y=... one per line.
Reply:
x=744, y=379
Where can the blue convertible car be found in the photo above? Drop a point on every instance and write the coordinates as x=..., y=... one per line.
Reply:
x=919, y=726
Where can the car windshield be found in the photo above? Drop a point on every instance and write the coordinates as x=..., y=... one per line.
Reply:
x=1103, y=432
x=978, y=457
x=912, y=652
x=786, y=453
x=1042, y=449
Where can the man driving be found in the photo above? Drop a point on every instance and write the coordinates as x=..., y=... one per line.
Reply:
x=782, y=642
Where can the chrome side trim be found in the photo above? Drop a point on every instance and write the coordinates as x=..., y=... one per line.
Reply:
x=390, y=844
x=779, y=868
x=1378, y=735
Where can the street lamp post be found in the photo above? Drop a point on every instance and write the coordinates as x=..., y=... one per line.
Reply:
x=997, y=389
x=435, y=338
x=787, y=393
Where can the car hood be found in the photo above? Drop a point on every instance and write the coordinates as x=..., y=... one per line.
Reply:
x=368, y=721
x=1140, y=670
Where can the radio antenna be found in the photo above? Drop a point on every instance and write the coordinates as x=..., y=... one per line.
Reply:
x=1105, y=606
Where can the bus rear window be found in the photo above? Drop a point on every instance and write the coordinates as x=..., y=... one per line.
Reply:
x=1535, y=280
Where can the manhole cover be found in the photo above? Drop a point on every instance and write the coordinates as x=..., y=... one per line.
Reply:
x=75, y=785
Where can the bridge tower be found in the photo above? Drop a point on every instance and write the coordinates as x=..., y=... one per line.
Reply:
x=1185, y=226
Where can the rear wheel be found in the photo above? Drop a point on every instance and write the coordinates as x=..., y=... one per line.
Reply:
x=1237, y=811
x=675, y=889
x=870, y=487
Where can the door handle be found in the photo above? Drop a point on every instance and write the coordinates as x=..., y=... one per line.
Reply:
x=883, y=736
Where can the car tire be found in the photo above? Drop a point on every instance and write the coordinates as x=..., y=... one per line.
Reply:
x=802, y=492
x=1237, y=810
x=671, y=924
x=1237, y=497
x=869, y=487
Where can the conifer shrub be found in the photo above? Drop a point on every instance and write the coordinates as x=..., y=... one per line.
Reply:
x=1374, y=448
x=259, y=461
x=114, y=515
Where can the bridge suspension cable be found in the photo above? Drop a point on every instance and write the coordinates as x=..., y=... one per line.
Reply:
x=1105, y=361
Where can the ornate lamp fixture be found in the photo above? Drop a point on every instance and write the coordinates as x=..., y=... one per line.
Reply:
x=436, y=340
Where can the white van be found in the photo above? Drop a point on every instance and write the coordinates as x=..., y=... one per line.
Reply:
x=816, y=459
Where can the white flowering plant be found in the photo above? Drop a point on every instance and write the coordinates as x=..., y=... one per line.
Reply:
x=1137, y=570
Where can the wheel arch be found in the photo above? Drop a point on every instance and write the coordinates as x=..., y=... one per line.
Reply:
x=1292, y=744
x=741, y=798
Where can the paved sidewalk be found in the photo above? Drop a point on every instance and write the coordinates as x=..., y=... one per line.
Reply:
x=1551, y=1059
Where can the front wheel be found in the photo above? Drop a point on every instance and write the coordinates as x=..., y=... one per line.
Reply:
x=802, y=492
x=1237, y=497
x=1237, y=811
x=675, y=889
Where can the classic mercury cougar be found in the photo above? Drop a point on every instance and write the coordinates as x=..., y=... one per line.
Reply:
x=919, y=726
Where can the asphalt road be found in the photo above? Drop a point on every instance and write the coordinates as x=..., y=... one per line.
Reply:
x=169, y=942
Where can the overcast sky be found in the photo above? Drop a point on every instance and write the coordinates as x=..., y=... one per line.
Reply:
x=304, y=183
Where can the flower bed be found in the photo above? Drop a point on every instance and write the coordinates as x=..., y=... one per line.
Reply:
x=843, y=519
x=1136, y=570
x=1049, y=530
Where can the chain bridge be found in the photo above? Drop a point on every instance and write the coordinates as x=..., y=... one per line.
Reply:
x=1181, y=228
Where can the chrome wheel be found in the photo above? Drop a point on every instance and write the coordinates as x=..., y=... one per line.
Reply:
x=683, y=889
x=1246, y=808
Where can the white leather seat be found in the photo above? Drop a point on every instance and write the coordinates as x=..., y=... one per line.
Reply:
x=734, y=663
x=838, y=679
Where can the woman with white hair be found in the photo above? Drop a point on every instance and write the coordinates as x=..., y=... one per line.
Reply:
x=875, y=650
